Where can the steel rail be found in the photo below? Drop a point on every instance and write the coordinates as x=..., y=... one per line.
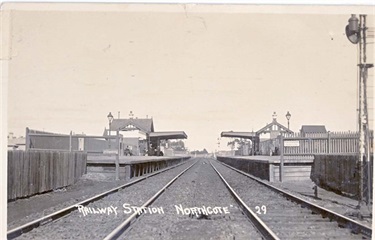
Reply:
x=13, y=233
x=126, y=224
x=343, y=221
x=258, y=223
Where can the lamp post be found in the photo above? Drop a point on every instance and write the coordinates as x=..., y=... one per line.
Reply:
x=110, y=119
x=288, y=115
x=356, y=34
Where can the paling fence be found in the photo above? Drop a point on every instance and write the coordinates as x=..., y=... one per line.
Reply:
x=299, y=145
x=302, y=147
x=41, y=140
x=31, y=172
x=318, y=143
x=92, y=145
x=52, y=161
x=341, y=173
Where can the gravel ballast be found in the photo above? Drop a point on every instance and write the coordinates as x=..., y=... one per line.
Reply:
x=199, y=187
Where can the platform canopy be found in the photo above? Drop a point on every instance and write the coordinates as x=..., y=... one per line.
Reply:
x=168, y=135
x=247, y=135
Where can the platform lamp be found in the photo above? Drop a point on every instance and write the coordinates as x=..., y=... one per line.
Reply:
x=110, y=119
x=288, y=115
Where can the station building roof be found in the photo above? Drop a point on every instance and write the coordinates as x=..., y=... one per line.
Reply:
x=145, y=125
x=126, y=124
x=313, y=129
x=269, y=128
x=169, y=135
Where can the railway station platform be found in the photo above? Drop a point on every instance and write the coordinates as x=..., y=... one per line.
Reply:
x=131, y=166
x=268, y=167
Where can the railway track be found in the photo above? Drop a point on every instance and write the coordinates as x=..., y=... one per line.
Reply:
x=289, y=216
x=199, y=188
x=124, y=225
x=23, y=231
x=188, y=202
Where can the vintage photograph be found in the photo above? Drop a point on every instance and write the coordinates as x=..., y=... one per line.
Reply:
x=187, y=121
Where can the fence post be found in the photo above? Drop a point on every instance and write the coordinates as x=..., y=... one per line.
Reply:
x=252, y=146
x=117, y=155
x=27, y=147
x=329, y=142
x=281, y=158
x=120, y=147
x=70, y=141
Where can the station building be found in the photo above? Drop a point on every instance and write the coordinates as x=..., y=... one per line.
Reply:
x=262, y=142
x=127, y=136
x=266, y=141
x=139, y=136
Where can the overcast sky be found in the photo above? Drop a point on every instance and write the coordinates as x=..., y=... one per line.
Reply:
x=200, y=69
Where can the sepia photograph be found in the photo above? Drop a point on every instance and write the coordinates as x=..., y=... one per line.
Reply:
x=176, y=120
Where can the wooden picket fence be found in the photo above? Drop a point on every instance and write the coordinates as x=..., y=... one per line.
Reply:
x=320, y=143
x=32, y=172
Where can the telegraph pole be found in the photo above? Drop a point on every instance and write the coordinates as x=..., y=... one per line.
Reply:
x=356, y=34
x=366, y=130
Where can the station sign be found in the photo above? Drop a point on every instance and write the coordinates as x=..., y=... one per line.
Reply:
x=291, y=143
